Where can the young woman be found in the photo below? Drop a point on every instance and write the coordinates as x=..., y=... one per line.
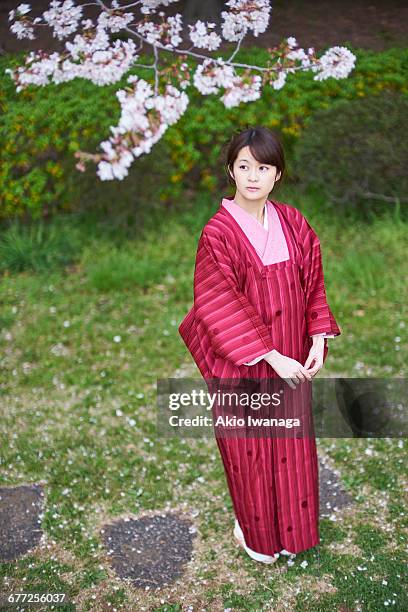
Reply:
x=260, y=311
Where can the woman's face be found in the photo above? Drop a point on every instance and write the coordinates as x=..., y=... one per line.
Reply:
x=248, y=172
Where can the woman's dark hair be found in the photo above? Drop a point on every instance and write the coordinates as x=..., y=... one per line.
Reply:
x=265, y=146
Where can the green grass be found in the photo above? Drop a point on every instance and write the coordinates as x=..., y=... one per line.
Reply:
x=88, y=328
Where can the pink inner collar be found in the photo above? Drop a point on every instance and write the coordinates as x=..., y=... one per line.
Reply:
x=268, y=240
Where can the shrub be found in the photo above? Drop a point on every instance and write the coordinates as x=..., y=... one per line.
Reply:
x=355, y=152
x=40, y=130
x=38, y=247
x=42, y=127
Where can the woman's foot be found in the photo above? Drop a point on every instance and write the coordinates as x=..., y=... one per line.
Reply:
x=239, y=536
x=288, y=554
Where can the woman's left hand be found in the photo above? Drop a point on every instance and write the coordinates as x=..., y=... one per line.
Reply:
x=315, y=354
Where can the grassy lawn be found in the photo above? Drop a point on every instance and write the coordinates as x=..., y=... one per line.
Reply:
x=89, y=321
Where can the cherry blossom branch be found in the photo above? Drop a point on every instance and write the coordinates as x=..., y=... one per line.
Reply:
x=229, y=60
x=146, y=111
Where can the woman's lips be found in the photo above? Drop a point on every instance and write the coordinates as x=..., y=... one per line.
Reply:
x=253, y=188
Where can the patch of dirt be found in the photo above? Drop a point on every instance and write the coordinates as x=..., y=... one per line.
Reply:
x=367, y=24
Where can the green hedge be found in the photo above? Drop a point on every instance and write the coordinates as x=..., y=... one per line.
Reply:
x=42, y=127
x=354, y=154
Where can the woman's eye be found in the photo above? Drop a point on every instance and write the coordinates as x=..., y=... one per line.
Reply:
x=243, y=166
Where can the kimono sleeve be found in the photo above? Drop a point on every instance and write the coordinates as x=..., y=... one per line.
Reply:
x=319, y=317
x=235, y=329
x=324, y=335
x=254, y=361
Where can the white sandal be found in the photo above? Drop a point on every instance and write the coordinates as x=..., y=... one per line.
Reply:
x=239, y=536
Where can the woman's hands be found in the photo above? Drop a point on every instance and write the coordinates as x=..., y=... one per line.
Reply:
x=289, y=369
x=315, y=354
x=292, y=371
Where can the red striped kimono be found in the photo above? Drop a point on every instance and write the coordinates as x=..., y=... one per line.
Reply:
x=242, y=310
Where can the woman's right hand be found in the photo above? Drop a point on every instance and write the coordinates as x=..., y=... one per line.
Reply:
x=289, y=369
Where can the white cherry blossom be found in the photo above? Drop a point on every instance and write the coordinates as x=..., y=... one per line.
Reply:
x=63, y=17
x=115, y=23
x=280, y=81
x=22, y=9
x=337, y=62
x=149, y=6
x=137, y=118
x=203, y=39
x=147, y=109
x=245, y=15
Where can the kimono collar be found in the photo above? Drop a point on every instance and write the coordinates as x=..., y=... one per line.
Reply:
x=268, y=239
x=243, y=217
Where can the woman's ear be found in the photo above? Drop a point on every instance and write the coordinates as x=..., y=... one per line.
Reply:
x=229, y=170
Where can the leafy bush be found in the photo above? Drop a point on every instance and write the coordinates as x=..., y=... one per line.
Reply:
x=40, y=130
x=42, y=127
x=355, y=154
